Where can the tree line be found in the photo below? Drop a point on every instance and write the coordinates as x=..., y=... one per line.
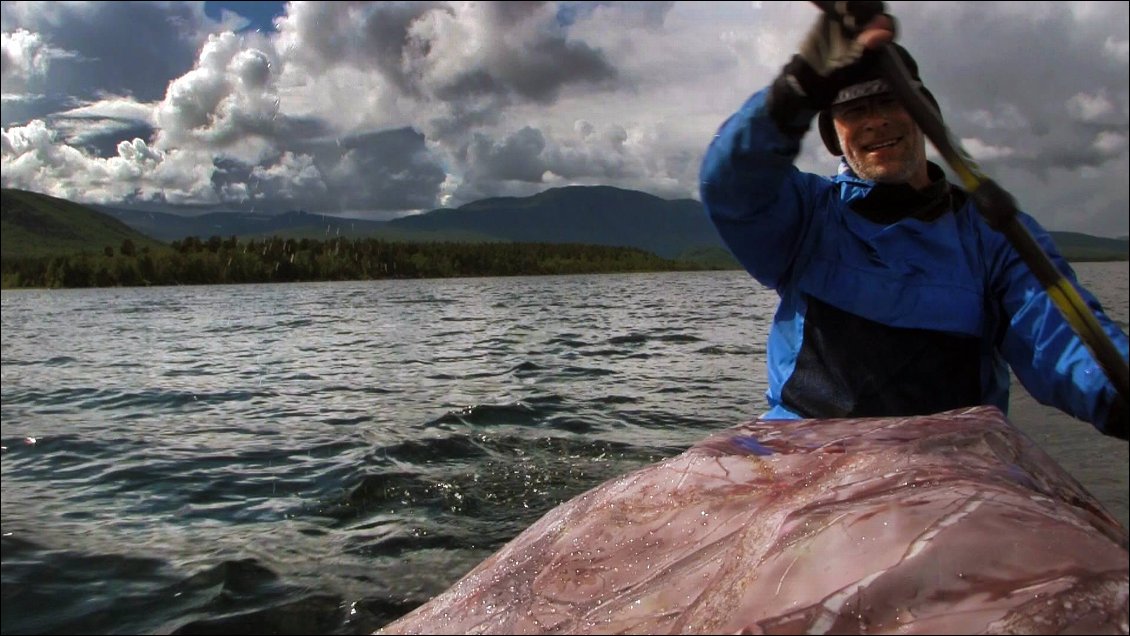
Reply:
x=193, y=261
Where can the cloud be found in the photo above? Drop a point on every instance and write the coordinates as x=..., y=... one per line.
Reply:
x=386, y=170
x=447, y=52
x=35, y=159
x=1117, y=49
x=377, y=109
x=98, y=127
x=25, y=57
x=1094, y=108
x=228, y=102
x=985, y=152
x=291, y=178
x=515, y=158
x=450, y=71
x=121, y=48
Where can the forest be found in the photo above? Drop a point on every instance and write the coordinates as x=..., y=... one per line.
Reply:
x=217, y=260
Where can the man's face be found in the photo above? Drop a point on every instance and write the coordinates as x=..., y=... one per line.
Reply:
x=880, y=140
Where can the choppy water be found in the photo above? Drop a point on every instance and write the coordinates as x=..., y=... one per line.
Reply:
x=321, y=458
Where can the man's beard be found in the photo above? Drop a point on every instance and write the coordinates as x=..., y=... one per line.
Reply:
x=901, y=170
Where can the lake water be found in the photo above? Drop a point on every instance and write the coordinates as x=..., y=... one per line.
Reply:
x=321, y=458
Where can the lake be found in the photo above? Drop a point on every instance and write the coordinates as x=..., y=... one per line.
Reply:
x=324, y=457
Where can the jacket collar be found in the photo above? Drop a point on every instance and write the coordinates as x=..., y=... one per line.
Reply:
x=888, y=203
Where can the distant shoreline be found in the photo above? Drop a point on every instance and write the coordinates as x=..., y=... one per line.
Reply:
x=275, y=260
x=668, y=266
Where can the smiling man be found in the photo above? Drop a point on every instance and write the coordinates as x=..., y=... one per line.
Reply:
x=896, y=297
x=879, y=139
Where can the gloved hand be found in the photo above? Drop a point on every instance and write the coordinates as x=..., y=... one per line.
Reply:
x=828, y=60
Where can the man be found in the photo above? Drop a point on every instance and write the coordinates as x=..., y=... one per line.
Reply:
x=896, y=296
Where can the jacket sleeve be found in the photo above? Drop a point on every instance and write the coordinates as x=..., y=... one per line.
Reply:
x=1045, y=353
x=761, y=205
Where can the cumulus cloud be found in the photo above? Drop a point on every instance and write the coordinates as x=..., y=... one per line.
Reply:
x=35, y=159
x=24, y=56
x=386, y=170
x=451, y=71
x=120, y=48
x=227, y=102
x=292, y=177
x=376, y=109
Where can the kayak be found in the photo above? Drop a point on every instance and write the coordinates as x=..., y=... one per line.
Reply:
x=951, y=523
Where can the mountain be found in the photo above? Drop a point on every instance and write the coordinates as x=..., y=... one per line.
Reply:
x=35, y=225
x=295, y=224
x=1084, y=247
x=594, y=215
x=597, y=215
x=164, y=226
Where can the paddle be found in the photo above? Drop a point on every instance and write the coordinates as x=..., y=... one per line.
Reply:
x=1000, y=211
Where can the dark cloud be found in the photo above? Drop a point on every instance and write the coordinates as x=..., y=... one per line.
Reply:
x=326, y=34
x=1045, y=58
x=388, y=171
x=515, y=158
x=644, y=14
x=539, y=74
x=115, y=45
x=475, y=59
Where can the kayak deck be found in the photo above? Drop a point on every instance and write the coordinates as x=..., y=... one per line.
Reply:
x=949, y=523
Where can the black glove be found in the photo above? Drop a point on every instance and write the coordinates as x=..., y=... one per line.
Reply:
x=827, y=61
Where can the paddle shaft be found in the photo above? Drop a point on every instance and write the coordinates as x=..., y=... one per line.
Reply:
x=1000, y=210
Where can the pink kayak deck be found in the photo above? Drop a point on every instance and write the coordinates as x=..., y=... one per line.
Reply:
x=952, y=523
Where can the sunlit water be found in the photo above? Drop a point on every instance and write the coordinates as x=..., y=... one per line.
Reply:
x=321, y=458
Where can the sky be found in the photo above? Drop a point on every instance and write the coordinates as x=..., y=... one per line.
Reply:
x=377, y=110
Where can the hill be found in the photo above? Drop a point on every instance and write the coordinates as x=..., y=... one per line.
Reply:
x=294, y=224
x=1084, y=247
x=37, y=225
x=53, y=243
x=589, y=215
x=594, y=215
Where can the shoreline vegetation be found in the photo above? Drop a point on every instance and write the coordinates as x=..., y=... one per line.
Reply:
x=219, y=261
x=285, y=260
x=55, y=243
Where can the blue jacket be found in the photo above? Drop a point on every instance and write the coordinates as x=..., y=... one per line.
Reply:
x=868, y=310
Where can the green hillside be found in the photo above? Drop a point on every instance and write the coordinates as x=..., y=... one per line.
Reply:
x=36, y=225
x=1084, y=247
x=52, y=243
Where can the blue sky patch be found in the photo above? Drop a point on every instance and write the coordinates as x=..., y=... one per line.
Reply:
x=261, y=14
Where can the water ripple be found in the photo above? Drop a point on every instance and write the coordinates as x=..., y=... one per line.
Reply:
x=323, y=457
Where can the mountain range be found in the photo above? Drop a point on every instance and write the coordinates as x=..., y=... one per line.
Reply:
x=595, y=215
